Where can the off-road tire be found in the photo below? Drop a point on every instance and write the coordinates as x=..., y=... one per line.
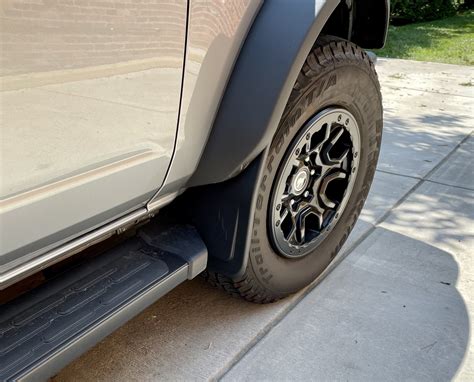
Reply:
x=336, y=73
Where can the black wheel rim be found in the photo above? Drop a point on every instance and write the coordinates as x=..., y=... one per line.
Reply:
x=314, y=182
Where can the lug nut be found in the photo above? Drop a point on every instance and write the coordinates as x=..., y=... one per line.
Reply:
x=306, y=194
x=312, y=172
x=292, y=202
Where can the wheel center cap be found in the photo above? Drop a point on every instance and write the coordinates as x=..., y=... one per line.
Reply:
x=300, y=181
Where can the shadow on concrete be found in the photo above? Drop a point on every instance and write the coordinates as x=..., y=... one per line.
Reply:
x=443, y=120
x=190, y=334
x=413, y=145
x=391, y=309
x=440, y=214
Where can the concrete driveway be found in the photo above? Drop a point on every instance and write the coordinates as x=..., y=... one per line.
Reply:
x=398, y=307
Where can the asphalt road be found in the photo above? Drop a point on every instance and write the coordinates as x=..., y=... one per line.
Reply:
x=400, y=304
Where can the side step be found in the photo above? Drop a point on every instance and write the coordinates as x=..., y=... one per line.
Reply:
x=45, y=329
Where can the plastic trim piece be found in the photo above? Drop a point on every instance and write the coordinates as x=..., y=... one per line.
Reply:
x=272, y=56
x=46, y=328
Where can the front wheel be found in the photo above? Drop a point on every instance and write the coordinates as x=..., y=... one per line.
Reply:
x=318, y=173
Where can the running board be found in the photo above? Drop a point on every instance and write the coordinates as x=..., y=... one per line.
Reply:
x=45, y=329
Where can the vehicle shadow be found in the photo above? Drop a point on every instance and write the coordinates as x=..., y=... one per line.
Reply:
x=396, y=295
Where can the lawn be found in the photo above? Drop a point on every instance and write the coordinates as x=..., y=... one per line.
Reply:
x=450, y=40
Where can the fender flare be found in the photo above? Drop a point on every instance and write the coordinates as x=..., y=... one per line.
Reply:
x=271, y=58
x=228, y=176
x=222, y=205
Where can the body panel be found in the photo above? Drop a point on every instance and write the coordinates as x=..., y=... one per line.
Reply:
x=89, y=105
x=216, y=32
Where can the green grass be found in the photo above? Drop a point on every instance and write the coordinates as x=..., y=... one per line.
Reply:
x=450, y=40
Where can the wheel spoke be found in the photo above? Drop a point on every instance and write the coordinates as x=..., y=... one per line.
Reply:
x=324, y=185
x=319, y=212
x=337, y=136
x=326, y=153
x=291, y=236
x=301, y=228
x=319, y=146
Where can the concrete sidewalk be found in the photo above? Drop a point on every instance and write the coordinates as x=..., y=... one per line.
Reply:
x=398, y=306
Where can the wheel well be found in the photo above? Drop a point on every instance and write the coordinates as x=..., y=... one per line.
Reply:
x=362, y=22
x=266, y=70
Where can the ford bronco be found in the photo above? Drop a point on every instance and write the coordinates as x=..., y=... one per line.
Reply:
x=146, y=142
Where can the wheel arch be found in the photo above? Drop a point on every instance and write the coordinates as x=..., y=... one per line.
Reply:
x=267, y=67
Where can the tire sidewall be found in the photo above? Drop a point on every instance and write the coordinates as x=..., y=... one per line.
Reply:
x=352, y=87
